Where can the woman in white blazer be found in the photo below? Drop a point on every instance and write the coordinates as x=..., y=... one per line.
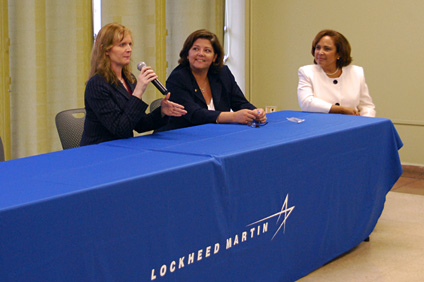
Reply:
x=332, y=85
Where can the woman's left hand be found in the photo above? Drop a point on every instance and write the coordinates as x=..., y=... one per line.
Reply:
x=260, y=115
x=170, y=108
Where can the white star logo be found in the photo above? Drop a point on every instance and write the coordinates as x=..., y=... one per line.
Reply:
x=284, y=210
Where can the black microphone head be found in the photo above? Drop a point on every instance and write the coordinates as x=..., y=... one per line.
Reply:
x=141, y=65
x=335, y=81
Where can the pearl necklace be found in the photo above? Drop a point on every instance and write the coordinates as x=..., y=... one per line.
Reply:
x=332, y=73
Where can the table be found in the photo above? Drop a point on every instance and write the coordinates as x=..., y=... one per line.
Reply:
x=217, y=202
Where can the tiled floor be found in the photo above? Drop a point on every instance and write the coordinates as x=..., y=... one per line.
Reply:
x=395, y=251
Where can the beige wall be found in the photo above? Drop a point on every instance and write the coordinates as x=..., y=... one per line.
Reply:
x=387, y=39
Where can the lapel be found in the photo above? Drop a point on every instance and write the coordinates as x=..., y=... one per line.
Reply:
x=196, y=89
x=216, y=89
x=121, y=89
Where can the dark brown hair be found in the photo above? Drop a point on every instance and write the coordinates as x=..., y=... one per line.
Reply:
x=204, y=34
x=108, y=35
x=341, y=43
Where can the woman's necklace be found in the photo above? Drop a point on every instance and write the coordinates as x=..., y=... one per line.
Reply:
x=204, y=88
x=122, y=80
x=332, y=73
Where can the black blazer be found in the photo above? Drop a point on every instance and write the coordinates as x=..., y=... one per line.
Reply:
x=112, y=113
x=226, y=95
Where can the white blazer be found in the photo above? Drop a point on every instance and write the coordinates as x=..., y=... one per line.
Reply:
x=317, y=92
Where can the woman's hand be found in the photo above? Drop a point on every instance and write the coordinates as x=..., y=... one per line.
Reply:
x=243, y=116
x=170, y=108
x=350, y=111
x=260, y=115
x=335, y=109
x=146, y=75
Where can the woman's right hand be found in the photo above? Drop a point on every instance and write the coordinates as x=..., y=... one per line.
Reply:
x=146, y=75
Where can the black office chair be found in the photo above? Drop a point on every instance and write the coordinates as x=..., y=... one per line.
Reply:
x=155, y=104
x=70, y=125
x=1, y=151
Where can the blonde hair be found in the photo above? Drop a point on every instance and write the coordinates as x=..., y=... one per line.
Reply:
x=108, y=36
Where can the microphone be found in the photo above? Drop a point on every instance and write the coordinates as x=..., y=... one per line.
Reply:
x=155, y=82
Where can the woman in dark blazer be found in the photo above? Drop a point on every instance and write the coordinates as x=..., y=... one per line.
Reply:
x=113, y=97
x=206, y=88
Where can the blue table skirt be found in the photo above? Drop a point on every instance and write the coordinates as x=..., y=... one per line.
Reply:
x=217, y=202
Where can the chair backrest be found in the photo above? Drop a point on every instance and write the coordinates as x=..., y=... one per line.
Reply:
x=70, y=125
x=1, y=151
x=155, y=104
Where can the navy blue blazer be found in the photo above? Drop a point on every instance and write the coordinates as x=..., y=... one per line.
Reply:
x=226, y=95
x=112, y=113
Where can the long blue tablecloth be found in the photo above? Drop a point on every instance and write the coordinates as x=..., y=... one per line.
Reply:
x=208, y=203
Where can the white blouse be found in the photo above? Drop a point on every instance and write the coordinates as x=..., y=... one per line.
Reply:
x=317, y=92
x=211, y=106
